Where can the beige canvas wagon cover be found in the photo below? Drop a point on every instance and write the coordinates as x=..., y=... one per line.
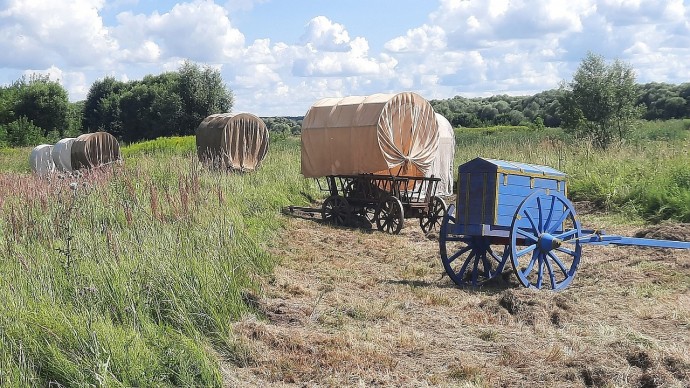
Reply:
x=381, y=134
x=236, y=141
x=94, y=150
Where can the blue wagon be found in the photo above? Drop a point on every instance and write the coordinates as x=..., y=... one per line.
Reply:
x=518, y=212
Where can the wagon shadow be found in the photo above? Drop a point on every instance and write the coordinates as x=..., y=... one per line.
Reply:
x=494, y=286
x=314, y=214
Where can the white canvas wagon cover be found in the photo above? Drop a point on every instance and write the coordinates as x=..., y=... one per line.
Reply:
x=40, y=160
x=236, y=141
x=381, y=134
x=443, y=163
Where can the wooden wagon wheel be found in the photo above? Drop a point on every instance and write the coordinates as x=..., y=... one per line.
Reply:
x=472, y=260
x=431, y=220
x=544, y=241
x=389, y=215
x=336, y=210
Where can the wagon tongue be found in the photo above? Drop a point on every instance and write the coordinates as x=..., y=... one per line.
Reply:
x=548, y=242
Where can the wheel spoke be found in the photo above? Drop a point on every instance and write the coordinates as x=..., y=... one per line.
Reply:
x=458, y=254
x=565, y=235
x=531, y=263
x=540, y=272
x=566, y=251
x=487, y=264
x=474, y=270
x=531, y=221
x=559, y=263
x=526, y=250
x=552, y=277
x=541, y=215
x=471, y=256
x=548, y=219
x=565, y=215
x=526, y=234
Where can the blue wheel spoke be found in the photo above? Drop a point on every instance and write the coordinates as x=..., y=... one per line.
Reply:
x=458, y=254
x=531, y=221
x=487, y=265
x=565, y=215
x=540, y=272
x=548, y=219
x=564, y=236
x=461, y=273
x=541, y=214
x=559, y=263
x=475, y=271
x=551, y=274
x=531, y=263
x=527, y=234
x=566, y=251
x=526, y=251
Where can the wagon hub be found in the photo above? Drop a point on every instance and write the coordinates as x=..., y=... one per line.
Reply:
x=548, y=242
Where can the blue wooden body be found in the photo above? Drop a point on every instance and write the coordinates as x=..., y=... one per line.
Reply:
x=490, y=191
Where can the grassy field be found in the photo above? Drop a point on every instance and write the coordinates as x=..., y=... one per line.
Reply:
x=134, y=276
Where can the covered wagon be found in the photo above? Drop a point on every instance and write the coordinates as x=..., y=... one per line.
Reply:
x=374, y=153
x=41, y=161
x=442, y=166
x=62, y=154
x=234, y=141
x=92, y=150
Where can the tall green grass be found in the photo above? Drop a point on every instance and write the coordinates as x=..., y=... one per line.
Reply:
x=641, y=177
x=132, y=277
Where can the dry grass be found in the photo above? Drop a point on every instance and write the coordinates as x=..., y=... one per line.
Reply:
x=349, y=307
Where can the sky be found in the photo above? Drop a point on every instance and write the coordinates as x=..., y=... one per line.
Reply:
x=280, y=56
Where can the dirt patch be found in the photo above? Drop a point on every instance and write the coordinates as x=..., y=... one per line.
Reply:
x=355, y=307
x=666, y=231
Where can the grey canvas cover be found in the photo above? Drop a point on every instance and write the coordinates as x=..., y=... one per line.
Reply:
x=235, y=141
x=382, y=134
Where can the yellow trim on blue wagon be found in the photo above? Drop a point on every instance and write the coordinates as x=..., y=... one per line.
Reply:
x=531, y=174
x=505, y=179
x=486, y=177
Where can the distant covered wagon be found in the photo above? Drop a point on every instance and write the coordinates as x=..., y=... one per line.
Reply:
x=234, y=141
x=62, y=154
x=41, y=161
x=375, y=153
x=92, y=150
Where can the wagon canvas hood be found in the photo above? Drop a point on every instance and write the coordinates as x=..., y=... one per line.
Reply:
x=382, y=133
x=235, y=141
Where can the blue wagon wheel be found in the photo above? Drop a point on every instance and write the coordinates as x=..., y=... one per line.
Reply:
x=336, y=210
x=390, y=215
x=431, y=220
x=544, y=241
x=468, y=260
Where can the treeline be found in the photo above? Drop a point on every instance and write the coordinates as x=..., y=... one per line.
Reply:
x=37, y=110
x=658, y=101
x=169, y=104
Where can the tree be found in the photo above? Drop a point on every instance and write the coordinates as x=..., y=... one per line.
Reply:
x=600, y=102
x=102, y=106
x=44, y=103
x=203, y=93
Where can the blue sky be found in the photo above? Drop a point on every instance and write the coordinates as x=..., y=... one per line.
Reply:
x=280, y=56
